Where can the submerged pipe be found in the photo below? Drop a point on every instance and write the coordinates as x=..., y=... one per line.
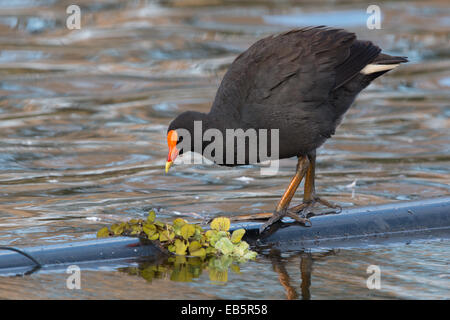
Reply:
x=358, y=226
x=361, y=226
x=106, y=249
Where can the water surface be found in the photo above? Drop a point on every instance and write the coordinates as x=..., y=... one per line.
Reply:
x=83, y=117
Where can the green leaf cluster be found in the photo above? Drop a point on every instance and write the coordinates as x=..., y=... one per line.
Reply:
x=184, y=239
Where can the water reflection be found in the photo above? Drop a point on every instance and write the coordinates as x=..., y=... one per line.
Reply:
x=306, y=267
x=185, y=268
x=273, y=275
x=83, y=115
x=189, y=269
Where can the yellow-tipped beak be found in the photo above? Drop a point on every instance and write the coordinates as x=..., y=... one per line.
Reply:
x=168, y=165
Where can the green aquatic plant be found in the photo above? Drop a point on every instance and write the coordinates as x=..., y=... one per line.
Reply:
x=184, y=239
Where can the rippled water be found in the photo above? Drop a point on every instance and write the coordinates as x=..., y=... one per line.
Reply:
x=83, y=117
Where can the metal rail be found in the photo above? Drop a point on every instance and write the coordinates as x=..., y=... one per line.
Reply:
x=355, y=227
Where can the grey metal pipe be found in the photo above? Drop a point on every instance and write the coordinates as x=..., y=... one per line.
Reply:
x=358, y=226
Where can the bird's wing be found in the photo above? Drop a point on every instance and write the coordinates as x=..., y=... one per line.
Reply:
x=302, y=65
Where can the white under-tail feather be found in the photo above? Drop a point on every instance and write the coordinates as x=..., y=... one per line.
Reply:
x=372, y=68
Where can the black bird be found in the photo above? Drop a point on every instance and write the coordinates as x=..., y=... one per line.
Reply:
x=301, y=82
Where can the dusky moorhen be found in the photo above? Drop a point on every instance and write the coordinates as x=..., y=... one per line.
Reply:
x=300, y=82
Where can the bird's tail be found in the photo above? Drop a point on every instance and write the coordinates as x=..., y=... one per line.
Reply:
x=382, y=64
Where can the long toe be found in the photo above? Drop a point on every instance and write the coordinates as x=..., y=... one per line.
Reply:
x=299, y=218
x=305, y=209
x=328, y=204
x=277, y=216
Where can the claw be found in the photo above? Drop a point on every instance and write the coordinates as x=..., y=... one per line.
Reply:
x=277, y=216
x=274, y=218
x=305, y=207
x=328, y=204
x=296, y=217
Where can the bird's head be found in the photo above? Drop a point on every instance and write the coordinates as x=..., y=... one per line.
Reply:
x=180, y=130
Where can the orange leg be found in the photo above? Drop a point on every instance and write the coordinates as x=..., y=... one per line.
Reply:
x=309, y=196
x=282, y=207
x=306, y=168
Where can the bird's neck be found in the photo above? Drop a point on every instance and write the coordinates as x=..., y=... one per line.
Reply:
x=207, y=125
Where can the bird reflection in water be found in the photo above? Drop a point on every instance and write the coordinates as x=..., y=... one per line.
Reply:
x=187, y=269
x=307, y=260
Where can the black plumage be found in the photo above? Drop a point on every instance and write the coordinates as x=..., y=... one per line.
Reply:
x=301, y=82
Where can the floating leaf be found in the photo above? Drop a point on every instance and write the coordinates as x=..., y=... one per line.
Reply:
x=166, y=236
x=194, y=246
x=178, y=222
x=217, y=236
x=225, y=246
x=114, y=227
x=149, y=229
x=103, y=232
x=210, y=233
x=136, y=229
x=187, y=231
x=181, y=238
x=240, y=249
x=198, y=235
x=220, y=224
x=198, y=253
x=204, y=242
x=180, y=247
x=155, y=236
x=151, y=216
x=118, y=229
x=211, y=250
x=250, y=255
x=237, y=235
x=222, y=234
x=159, y=224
